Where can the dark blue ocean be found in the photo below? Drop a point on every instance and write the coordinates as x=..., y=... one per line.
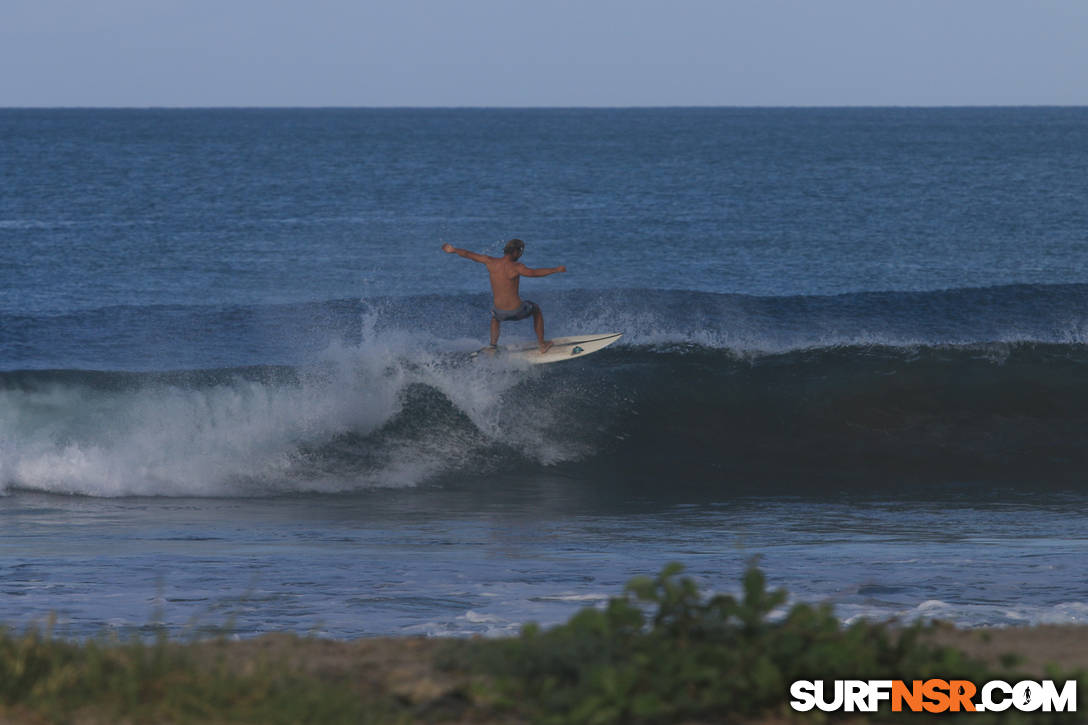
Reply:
x=235, y=384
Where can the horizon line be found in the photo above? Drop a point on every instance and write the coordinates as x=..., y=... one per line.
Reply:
x=532, y=107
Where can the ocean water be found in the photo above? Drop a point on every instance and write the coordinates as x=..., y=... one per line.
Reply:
x=235, y=388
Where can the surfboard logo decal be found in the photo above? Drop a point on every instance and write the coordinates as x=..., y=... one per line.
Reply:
x=576, y=350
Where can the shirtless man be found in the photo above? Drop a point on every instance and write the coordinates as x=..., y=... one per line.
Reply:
x=506, y=272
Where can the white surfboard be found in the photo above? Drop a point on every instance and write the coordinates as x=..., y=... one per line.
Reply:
x=563, y=348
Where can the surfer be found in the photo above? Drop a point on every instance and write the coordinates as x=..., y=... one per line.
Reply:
x=506, y=272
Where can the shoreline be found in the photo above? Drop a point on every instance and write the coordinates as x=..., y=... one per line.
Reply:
x=660, y=652
x=1037, y=646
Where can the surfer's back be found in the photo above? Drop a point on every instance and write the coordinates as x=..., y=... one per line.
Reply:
x=505, y=275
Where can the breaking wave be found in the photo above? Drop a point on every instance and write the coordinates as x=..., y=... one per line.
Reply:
x=710, y=390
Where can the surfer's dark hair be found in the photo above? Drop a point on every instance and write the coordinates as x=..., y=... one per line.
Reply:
x=514, y=245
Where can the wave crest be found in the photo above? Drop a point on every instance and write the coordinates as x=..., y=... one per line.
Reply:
x=390, y=415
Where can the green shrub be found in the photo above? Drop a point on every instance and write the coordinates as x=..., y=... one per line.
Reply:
x=663, y=652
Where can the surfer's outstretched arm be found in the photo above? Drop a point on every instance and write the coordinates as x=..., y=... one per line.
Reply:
x=450, y=249
x=542, y=272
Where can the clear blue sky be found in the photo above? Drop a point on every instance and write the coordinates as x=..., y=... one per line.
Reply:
x=542, y=52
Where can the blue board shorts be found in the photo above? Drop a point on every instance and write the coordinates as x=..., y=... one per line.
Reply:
x=520, y=313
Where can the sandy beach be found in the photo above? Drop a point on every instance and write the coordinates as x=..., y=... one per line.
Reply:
x=409, y=670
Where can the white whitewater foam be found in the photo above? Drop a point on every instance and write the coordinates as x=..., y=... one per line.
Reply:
x=246, y=437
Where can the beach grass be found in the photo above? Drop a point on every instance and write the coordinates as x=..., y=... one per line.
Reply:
x=108, y=680
x=660, y=652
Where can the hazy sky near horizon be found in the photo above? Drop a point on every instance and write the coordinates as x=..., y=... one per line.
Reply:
x=543, y=53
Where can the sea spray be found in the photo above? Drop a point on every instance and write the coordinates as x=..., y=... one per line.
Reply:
x=334, y=424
